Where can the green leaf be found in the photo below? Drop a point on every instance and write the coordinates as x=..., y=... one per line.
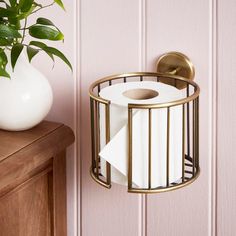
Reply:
x=60, y=3
x=4, y=73
x=14, y=23
x=59, y=54
x=15, y=53
x=38, y=44
x=44, y=21
x=45, y=32
x=42, y=46
x=3, y=63
x=25, y=5
x=7, y=12
x=24, y=15
x=3, y=59
x=31, y=52
x=5, y=42
x=8, y=32
x=13, y=2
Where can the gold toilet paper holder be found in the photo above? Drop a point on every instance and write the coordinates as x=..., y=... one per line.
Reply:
x=174, y=69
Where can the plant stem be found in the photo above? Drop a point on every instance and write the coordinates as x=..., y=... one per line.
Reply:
x=23, y=37
x=25, y=28
x=43, y=7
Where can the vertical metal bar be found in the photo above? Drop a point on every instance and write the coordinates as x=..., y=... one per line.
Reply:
x=196, y=133
x=188, y=126
x=149, y=148
x=110, y=82
x=183, y=142
x=98, y=132
x=99, y=89
x=168, y=147
x=141, y=78
x=92, y=132
x=97, y=139
x=194, y=138
x=125, y=80
x=197, y=121
x=158, y=79
x=108, y=165
x=130, y=148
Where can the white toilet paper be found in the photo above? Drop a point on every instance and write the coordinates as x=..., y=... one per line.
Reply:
x=116, y=151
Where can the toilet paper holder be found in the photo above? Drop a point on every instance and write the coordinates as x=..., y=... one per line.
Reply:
x=174, y=69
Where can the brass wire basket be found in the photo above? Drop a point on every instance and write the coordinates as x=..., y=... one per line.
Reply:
x=190, y=125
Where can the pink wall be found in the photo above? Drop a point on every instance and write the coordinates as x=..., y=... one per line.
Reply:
x=122, y=36
x=64, y=84
x=107, y=37
x=226, y=113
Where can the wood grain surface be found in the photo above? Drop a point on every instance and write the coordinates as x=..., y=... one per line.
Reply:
x=26, y=211
x=33, y=180
x=13, y=141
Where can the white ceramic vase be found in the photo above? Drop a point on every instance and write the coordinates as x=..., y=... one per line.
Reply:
x=26, y=98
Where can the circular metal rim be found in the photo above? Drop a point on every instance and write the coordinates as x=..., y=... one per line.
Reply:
x=167, y=189
x=151, y=74
x=150, y=191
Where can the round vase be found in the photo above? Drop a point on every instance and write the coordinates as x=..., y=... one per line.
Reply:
x=25, y=98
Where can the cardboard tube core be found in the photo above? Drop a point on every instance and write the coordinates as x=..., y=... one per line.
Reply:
x=140, y=94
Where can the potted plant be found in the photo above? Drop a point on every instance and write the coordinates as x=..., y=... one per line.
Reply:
x=25, y=94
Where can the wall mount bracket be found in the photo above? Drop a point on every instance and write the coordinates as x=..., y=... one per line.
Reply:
x=175, y=63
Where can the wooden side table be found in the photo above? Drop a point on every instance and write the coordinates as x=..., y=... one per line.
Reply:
x=33, y=180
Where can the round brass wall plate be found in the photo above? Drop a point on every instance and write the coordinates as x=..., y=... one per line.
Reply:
x=175, y=63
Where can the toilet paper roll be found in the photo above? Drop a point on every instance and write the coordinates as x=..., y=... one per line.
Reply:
x=116, y=151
